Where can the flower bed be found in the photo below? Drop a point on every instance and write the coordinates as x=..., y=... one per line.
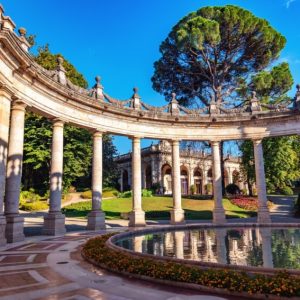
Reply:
x=280, y=284
x=245, y=203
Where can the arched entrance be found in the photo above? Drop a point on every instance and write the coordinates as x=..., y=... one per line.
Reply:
x=184, y=181
x=209, y=184
x=198, y=181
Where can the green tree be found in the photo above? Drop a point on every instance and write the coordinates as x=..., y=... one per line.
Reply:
x=210, y=52
x=77, y=143
x=221, y=53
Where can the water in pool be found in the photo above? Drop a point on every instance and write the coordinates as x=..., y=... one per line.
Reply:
x=259, y=247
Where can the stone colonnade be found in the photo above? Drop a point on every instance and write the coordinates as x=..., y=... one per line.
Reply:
x=11, y=154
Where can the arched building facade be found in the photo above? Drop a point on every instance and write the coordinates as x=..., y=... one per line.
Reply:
x=195, y=170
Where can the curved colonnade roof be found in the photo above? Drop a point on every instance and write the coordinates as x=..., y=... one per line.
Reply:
x=52, y=95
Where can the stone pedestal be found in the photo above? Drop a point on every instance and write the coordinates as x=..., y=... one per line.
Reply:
x=54, y=224
x=96, y=220
x=177, y=217
x=219, y=215
x=263, y=215
x=2, y=231
x=14, y=228
x=137, y=219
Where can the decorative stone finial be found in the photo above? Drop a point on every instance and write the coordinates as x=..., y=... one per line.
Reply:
x=254, y=103
x=174, y=100
x=98, y=88
x=136, y=104
x=61, y=71
x=22, y=31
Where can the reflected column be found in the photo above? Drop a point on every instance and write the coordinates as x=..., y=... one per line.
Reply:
x=218, y=212
x=138, y=244
x=179, y=247
x=221, y=245
x=266, y=241
x=96, y=218
x=263, y=212
x=137, y=216
x=14, y=222
x=5, y=101
x=177, y=213
x=54, y=221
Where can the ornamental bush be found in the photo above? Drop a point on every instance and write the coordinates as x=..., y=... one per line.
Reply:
x=280, y=284
x=232, y=189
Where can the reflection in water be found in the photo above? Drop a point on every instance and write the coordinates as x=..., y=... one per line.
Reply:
x=261, y=247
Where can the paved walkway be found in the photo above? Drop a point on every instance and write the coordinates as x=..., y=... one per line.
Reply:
x=52, y=268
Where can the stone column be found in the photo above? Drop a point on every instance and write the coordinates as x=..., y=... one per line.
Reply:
x=218, y=212
x=14, y=222
x=96, y=218
x=263, y=212
x=137, y=216
x=177, y=213
x=54, y=221
x=4, y=133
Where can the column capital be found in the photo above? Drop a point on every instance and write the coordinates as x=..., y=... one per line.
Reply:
x=215, y=142
x=257, y=141
x=97, y=134
x=175, y=141
x=18, y=104
x=57, y=122
x=135, y=138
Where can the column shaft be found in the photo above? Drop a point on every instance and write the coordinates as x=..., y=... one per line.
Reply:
x=218, y=212
x=15, y=223
x=263, y=212
x=177, y=214
x=137, y=216
x=96, y=218
x=4, y=133
x=54, y=221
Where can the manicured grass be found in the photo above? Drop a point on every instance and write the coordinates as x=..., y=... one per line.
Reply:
x=157, y=208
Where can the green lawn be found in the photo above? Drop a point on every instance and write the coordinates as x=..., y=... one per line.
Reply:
x=157, y=208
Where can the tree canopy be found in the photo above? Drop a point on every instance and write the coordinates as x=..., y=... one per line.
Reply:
x=77, y=143
x=210, y=53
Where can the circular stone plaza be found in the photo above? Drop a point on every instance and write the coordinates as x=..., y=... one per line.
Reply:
x=59, y=263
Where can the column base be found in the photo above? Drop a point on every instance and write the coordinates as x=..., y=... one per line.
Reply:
x=137, y=219
x=14, y=230
x=96, y=220
x=54, y=224
x=2, y=231
x=219, y=216
x=177, y=217
x=263, y=216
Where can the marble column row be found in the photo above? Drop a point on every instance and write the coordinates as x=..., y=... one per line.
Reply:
x=11, y=157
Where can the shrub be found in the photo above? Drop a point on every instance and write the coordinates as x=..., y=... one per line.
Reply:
x=232, y=189
x=29, y=196
x=192, y=189
x=86, y=195
x=286, y=190
x=208, y=188
x=34, y=206
x=280, y=284
x=146, y=193
x=126, y=194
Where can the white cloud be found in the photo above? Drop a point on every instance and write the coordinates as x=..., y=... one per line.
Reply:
x=289, y=2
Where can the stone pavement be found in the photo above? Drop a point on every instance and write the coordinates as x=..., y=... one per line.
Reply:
x=52, y=268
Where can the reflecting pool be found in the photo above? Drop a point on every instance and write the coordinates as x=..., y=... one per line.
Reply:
x=259, y=247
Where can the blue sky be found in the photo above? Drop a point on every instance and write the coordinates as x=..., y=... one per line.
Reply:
x=119, y=40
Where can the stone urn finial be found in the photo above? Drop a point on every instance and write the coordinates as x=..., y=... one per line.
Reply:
x=22, y=31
